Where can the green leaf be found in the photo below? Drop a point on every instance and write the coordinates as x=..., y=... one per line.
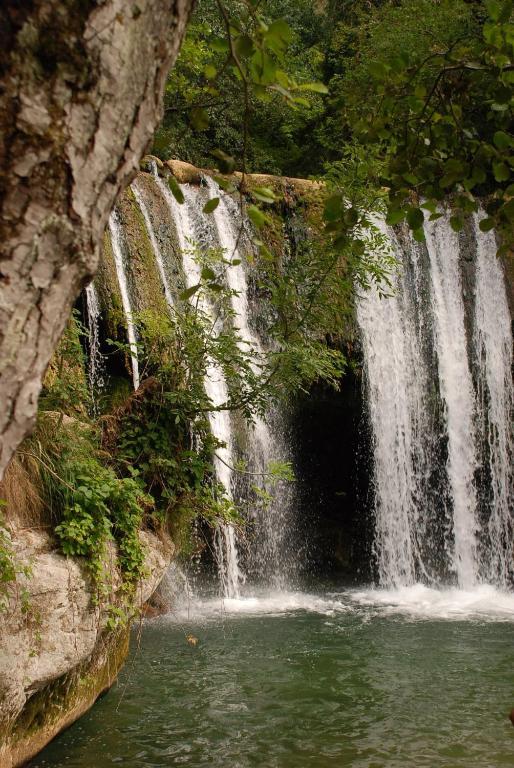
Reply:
x=457, y=223
x=506, y=12
x=210, y=72
x=486, y=224
x=175, y=189
x=508, y=209
x=351, y=216
x=211, y=205
x=415, y=218
x=264, y=194
x=219, y=44
x=278, y=35
x=501, y=171
x=244, y=46
x=226, y=184
x=479, y=175
x=398, y=64
x=394, y=216
x=265, y=253
x=185, y=295
x=494, y=9
x=411, y=178
x=341, y=242
x=199, y=119
x=333, y=207
x=226, y=162
x=283, y=91
x=314, y=87
x=256, y=216
x=378, y=70
x=419, y=235
x=208, y=274
x=502, y=140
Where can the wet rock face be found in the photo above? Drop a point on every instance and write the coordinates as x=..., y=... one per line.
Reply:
x=56, y=654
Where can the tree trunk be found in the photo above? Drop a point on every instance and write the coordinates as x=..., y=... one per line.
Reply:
x=81, y=86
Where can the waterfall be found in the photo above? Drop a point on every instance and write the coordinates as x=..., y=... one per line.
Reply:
x=457, y=392
x=271, y=521
x=390, y=350
x=117, y=249
x=223, y=230
x=215, y=387
x=138, y=194
x=95, y=362
x=492, y=341
x=426, y=413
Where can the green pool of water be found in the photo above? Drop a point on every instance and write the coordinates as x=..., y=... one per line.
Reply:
x=343, y=679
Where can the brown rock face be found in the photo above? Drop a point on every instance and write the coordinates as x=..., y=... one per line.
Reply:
x=58, y=654
x=80, y=95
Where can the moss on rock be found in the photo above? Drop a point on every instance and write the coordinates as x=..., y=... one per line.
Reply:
x=145, y=281
x=108, y=288
x=62, y=701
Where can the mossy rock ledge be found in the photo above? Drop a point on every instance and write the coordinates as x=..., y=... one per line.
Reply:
x=57, y=652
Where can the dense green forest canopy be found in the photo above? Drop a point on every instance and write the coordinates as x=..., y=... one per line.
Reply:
x=419, y=92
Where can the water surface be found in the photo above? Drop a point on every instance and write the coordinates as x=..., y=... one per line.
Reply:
x=367, y=679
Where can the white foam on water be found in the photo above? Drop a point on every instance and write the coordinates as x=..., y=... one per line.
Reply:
x=418, y=601
x=275, y=604
x=415, y=602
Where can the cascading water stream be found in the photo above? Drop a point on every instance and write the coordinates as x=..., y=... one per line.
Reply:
x=271, y=521
x=492, y=342
x=95, y=362
x=117, y=249
x=456, y=388
x=216, y=389
x=391, y=352
x=139, y=196
x=426, y=415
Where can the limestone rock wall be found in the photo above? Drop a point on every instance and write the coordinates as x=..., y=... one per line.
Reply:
x=57, y=652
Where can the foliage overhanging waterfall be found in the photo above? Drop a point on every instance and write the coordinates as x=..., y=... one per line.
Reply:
x=195, y=234
x=439, y=393
x=437, y=354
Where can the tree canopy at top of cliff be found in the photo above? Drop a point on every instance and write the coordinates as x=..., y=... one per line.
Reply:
x=418, y=91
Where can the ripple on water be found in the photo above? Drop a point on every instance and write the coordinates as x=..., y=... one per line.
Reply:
x=359, y=678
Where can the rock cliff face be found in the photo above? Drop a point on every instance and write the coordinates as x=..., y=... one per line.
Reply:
x=58, y=648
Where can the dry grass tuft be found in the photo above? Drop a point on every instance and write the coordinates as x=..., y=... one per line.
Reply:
x=21, y=491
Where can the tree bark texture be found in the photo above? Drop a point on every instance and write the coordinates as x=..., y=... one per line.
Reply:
x=81, y=84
